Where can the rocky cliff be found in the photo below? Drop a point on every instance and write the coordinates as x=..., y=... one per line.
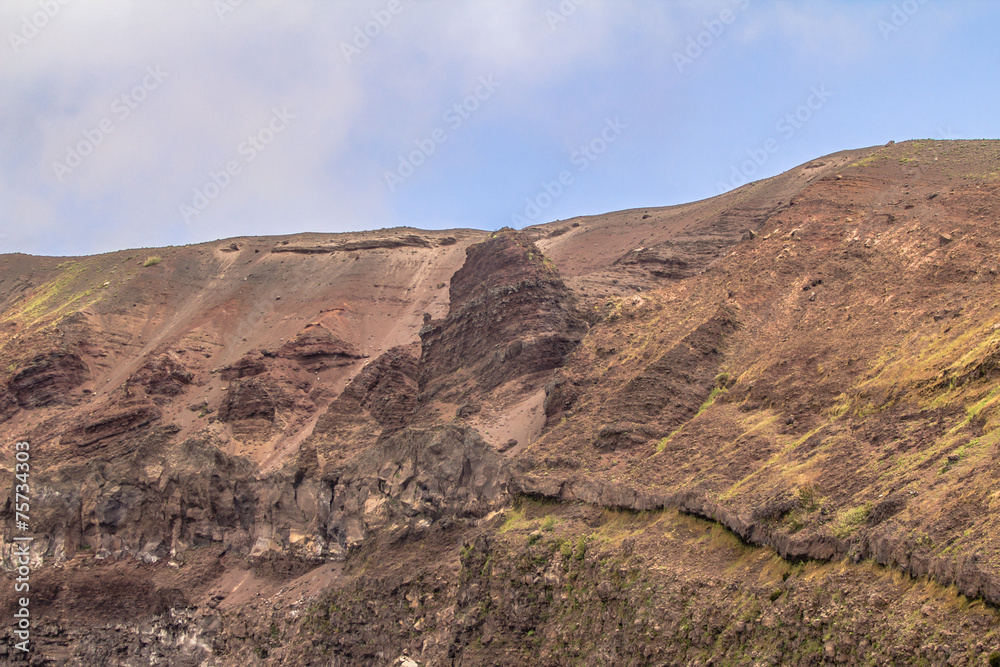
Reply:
x=760, y=428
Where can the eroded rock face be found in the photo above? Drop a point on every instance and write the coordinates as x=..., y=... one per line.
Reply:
x=315, y=343
x=150, y=500
x=438, y=472
x=415, y=475
x=105, y=424
x=250, y=398
x=408, y=240
x=510, y=315
x=8, y=405
x=409, y=481
x=48, y=378
x=382, y=396
x=163, y=376
x=158, y=499
x=670, y=390
x=248, y=366
x=387, y=388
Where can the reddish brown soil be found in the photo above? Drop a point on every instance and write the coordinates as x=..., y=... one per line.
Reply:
x=283, y=450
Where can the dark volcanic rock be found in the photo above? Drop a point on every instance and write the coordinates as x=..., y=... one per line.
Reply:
x=675, y=259
x=248, y=366
x=386, y=388
x=8, y=405
x=163, y=376
x=405, y=483
x=670, y=261
x=381, y=396
x=143, y=500
x=418, y=474
x=48, y=378
x=251, y=398
x=112, y=422
x=510, y=315
x=671, y=390
x=316, y=342
x=619, y=435
x=559, y=397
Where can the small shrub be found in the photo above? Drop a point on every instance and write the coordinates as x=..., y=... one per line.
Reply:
x=807, y=497
x=548, y=523
x=152, y=260
x=724, y=380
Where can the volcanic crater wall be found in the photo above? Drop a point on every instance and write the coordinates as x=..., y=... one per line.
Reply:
x=371, y=462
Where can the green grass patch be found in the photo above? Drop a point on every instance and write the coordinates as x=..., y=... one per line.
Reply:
x=57, y=295
x=849, y=520
x=515, y=519
x=710, y=400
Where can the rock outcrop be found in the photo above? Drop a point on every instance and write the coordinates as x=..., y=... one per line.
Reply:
x=47, y=379
x=251, y=398
x=315, y=344
x=510, y=315
x=163, y=376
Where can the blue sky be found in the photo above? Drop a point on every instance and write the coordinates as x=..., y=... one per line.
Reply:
x=165, y=122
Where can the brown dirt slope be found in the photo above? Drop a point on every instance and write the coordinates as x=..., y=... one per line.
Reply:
x=471, y=448
x=853, y=408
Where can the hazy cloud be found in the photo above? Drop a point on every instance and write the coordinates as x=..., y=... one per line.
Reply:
x=163, y=96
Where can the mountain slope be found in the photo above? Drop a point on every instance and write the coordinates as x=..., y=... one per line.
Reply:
x=338, y=445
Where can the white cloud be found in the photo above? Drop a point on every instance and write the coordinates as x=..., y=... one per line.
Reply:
x=224, y=77
x=558, y=78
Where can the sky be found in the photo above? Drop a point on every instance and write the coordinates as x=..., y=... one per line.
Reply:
x=167, y=122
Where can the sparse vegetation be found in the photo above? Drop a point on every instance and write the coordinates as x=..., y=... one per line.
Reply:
x=849, y=520
x=807, y=497
x=724, y=380
x=152, y=260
